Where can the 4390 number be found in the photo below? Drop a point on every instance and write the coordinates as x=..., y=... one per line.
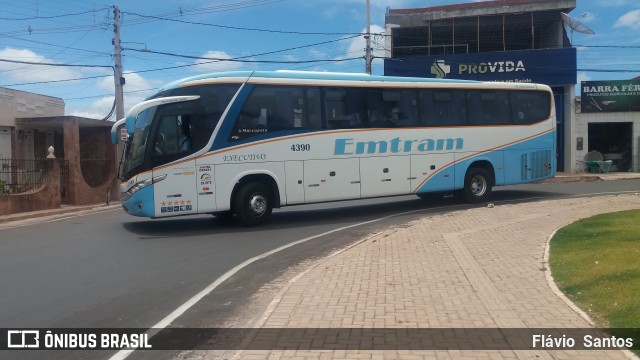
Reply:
x=300, y=147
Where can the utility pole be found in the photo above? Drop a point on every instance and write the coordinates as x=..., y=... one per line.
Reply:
x=367, y=37
x=118, y=79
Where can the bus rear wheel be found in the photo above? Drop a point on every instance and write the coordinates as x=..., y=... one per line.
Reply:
x=477, y=185
x=253, y=204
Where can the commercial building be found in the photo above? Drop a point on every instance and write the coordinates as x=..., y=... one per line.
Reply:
x=504, y=40
x=608, y=122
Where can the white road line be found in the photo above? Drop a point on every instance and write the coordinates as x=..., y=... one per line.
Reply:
x=123, y=354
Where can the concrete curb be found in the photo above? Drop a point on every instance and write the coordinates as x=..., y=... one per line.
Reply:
x=577, y=178
x=552, y=285
x=59, y=212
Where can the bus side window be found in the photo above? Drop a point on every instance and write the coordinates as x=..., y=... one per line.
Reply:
x=344, y=108
x=355, y=108
x=407, y=115
x=272, y=108
x=459, y=112
x=379, y=109
x=255, y=114
x=173, y=136
x=441, y=110
x=206, y=112
x=312, y=116
x=529, y=107
x=426, y=108
x=388, y=108
x=488, y=107
x=334, y=108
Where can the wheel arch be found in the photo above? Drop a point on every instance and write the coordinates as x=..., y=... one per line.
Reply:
x=267, y=179
x=483, y=164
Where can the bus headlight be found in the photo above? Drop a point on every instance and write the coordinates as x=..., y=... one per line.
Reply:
x=141, y=185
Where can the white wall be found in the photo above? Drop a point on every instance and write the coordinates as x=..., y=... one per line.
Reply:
x=582, y=130
x=21, y=104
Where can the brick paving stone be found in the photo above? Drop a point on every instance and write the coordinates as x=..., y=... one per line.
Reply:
x=476, y=268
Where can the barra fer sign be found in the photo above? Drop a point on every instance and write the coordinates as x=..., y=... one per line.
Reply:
x=610, y=96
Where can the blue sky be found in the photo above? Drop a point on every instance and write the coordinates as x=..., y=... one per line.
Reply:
x=80, y=33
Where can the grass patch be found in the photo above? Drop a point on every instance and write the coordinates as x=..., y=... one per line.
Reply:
x=596, y=263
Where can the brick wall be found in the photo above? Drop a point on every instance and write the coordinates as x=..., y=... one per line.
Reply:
x=47, y=197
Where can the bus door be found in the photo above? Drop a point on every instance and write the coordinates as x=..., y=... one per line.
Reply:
x=176, y=194
x=205, y=187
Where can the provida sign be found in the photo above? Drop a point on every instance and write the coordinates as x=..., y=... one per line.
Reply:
x=549, y=66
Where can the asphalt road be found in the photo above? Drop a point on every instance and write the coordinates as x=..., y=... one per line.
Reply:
x=112, y=270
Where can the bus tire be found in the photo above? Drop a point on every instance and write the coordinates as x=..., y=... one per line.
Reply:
x=253, y=204
x=477, y=185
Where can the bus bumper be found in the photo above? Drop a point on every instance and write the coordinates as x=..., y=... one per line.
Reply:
x=141, y=203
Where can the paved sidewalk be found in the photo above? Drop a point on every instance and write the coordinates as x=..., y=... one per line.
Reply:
x=477, y=268
x=566, y=177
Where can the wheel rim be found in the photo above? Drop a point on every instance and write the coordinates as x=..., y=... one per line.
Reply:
x=478, y=185
x=257, y=204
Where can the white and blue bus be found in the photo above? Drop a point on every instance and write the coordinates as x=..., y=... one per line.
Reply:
x=242, y=143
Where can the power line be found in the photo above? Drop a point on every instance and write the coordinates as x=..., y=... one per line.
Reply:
x=205, y=10
x=54, y=64
x=55, y=45
x=55, y=30
x=243, y=58
x=241, y=28
x=57, y=65
x=48, y=17
x=105, y=95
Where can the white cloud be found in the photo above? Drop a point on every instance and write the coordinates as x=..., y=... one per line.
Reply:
x=212, y=66
x=33, y=73
x=95, y=110
x=358, y=45
x=629, y=20
x=331, y=12
x=583, y=76
x=136, y=90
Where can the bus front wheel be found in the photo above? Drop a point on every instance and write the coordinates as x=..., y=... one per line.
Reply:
x=253, y=204
x=477, y=185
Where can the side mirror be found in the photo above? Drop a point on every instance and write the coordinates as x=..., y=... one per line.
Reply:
x=119, y=132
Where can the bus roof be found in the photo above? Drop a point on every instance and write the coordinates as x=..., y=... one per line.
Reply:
x=304, y=75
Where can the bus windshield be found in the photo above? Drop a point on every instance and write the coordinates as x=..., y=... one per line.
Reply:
x=136, y=145
x=176, y=123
